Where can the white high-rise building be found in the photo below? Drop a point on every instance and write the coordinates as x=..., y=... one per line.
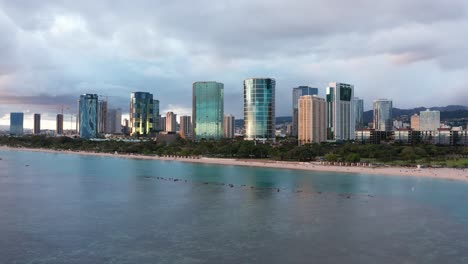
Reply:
x=340, y=111
x=229, y=126
x=383, y=115
x=429, y=120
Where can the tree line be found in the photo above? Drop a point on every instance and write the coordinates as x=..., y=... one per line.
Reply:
x=285, y=150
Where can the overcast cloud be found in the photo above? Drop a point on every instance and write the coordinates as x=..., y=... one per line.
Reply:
x=51, y=51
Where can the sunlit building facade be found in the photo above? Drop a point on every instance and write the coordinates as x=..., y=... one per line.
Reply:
x=259, y=109
x=415, y=124
x=141, y=113
x=16, y=124
x=185, y=127
x=312, y=118
x=208, y=110
x=296, y=94
x=88, y=116
x=340, y=112
x=383, y=115
x=171, y=122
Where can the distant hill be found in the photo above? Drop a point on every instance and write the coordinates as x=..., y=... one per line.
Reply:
x=446, y=112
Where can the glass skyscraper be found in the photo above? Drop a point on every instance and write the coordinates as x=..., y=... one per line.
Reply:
x=297, y=93
x=16, y=124
x=358, y=105
x=259, y=109
x=88, y=116
x=141, y=113
x=383, y=115
x=207, y=110
x=341, y=121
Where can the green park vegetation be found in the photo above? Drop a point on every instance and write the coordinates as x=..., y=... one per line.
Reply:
x=284, y=149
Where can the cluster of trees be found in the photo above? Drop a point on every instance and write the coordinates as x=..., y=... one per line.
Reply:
x=286, y=149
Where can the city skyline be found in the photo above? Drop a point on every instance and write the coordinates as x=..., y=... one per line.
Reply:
x=58, y=50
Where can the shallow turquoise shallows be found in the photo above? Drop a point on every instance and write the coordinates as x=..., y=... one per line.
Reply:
x=59, y=208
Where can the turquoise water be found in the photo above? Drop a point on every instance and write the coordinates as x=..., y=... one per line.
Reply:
x=58, y=208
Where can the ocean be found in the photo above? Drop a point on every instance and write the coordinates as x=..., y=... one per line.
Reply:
x=67, y=208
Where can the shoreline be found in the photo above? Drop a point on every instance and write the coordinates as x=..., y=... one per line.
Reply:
x=435, y=173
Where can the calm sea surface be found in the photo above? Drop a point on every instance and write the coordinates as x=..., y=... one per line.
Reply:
x=58, y=208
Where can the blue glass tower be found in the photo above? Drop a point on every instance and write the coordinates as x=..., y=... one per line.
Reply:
x=88, y=116
x=259, y=109
x=208, y=110
x=16, y=124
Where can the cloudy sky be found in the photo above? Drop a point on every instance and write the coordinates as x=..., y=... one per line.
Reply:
x=51, y=51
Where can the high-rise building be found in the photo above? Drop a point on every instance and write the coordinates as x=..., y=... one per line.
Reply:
x=162, y=123
x=340, y=112
x=88, y=116
x=114, y=121
x=429, y=120
x=156, y=116
x=358, y=105
x=126, y=127
x=296, y=94
x=171, y=122
x=102, y=117
x=37, y=124
x=208, y=110
x=312, y=119
x=259, y=109
x=141, y=113
x=59, y=125
x=185, y=129
x=383, y=115
x=415, y=124
x=229, y=126
x=16, y=124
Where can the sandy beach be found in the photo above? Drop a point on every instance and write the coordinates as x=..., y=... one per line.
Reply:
x=438, y=173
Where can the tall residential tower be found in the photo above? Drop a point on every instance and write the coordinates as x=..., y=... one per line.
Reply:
x=37, y=124
x=383, y=115
x=88, y=116
x=259, y=109
x=296, y=94
x=340, y=112
x=208, y=110
x=141, y=113
x=16, y=124
x=312, y=120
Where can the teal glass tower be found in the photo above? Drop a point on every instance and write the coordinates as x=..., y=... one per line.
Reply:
x=88, y=116
x=259, y=109
x=208, y=110
x=142, y=113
